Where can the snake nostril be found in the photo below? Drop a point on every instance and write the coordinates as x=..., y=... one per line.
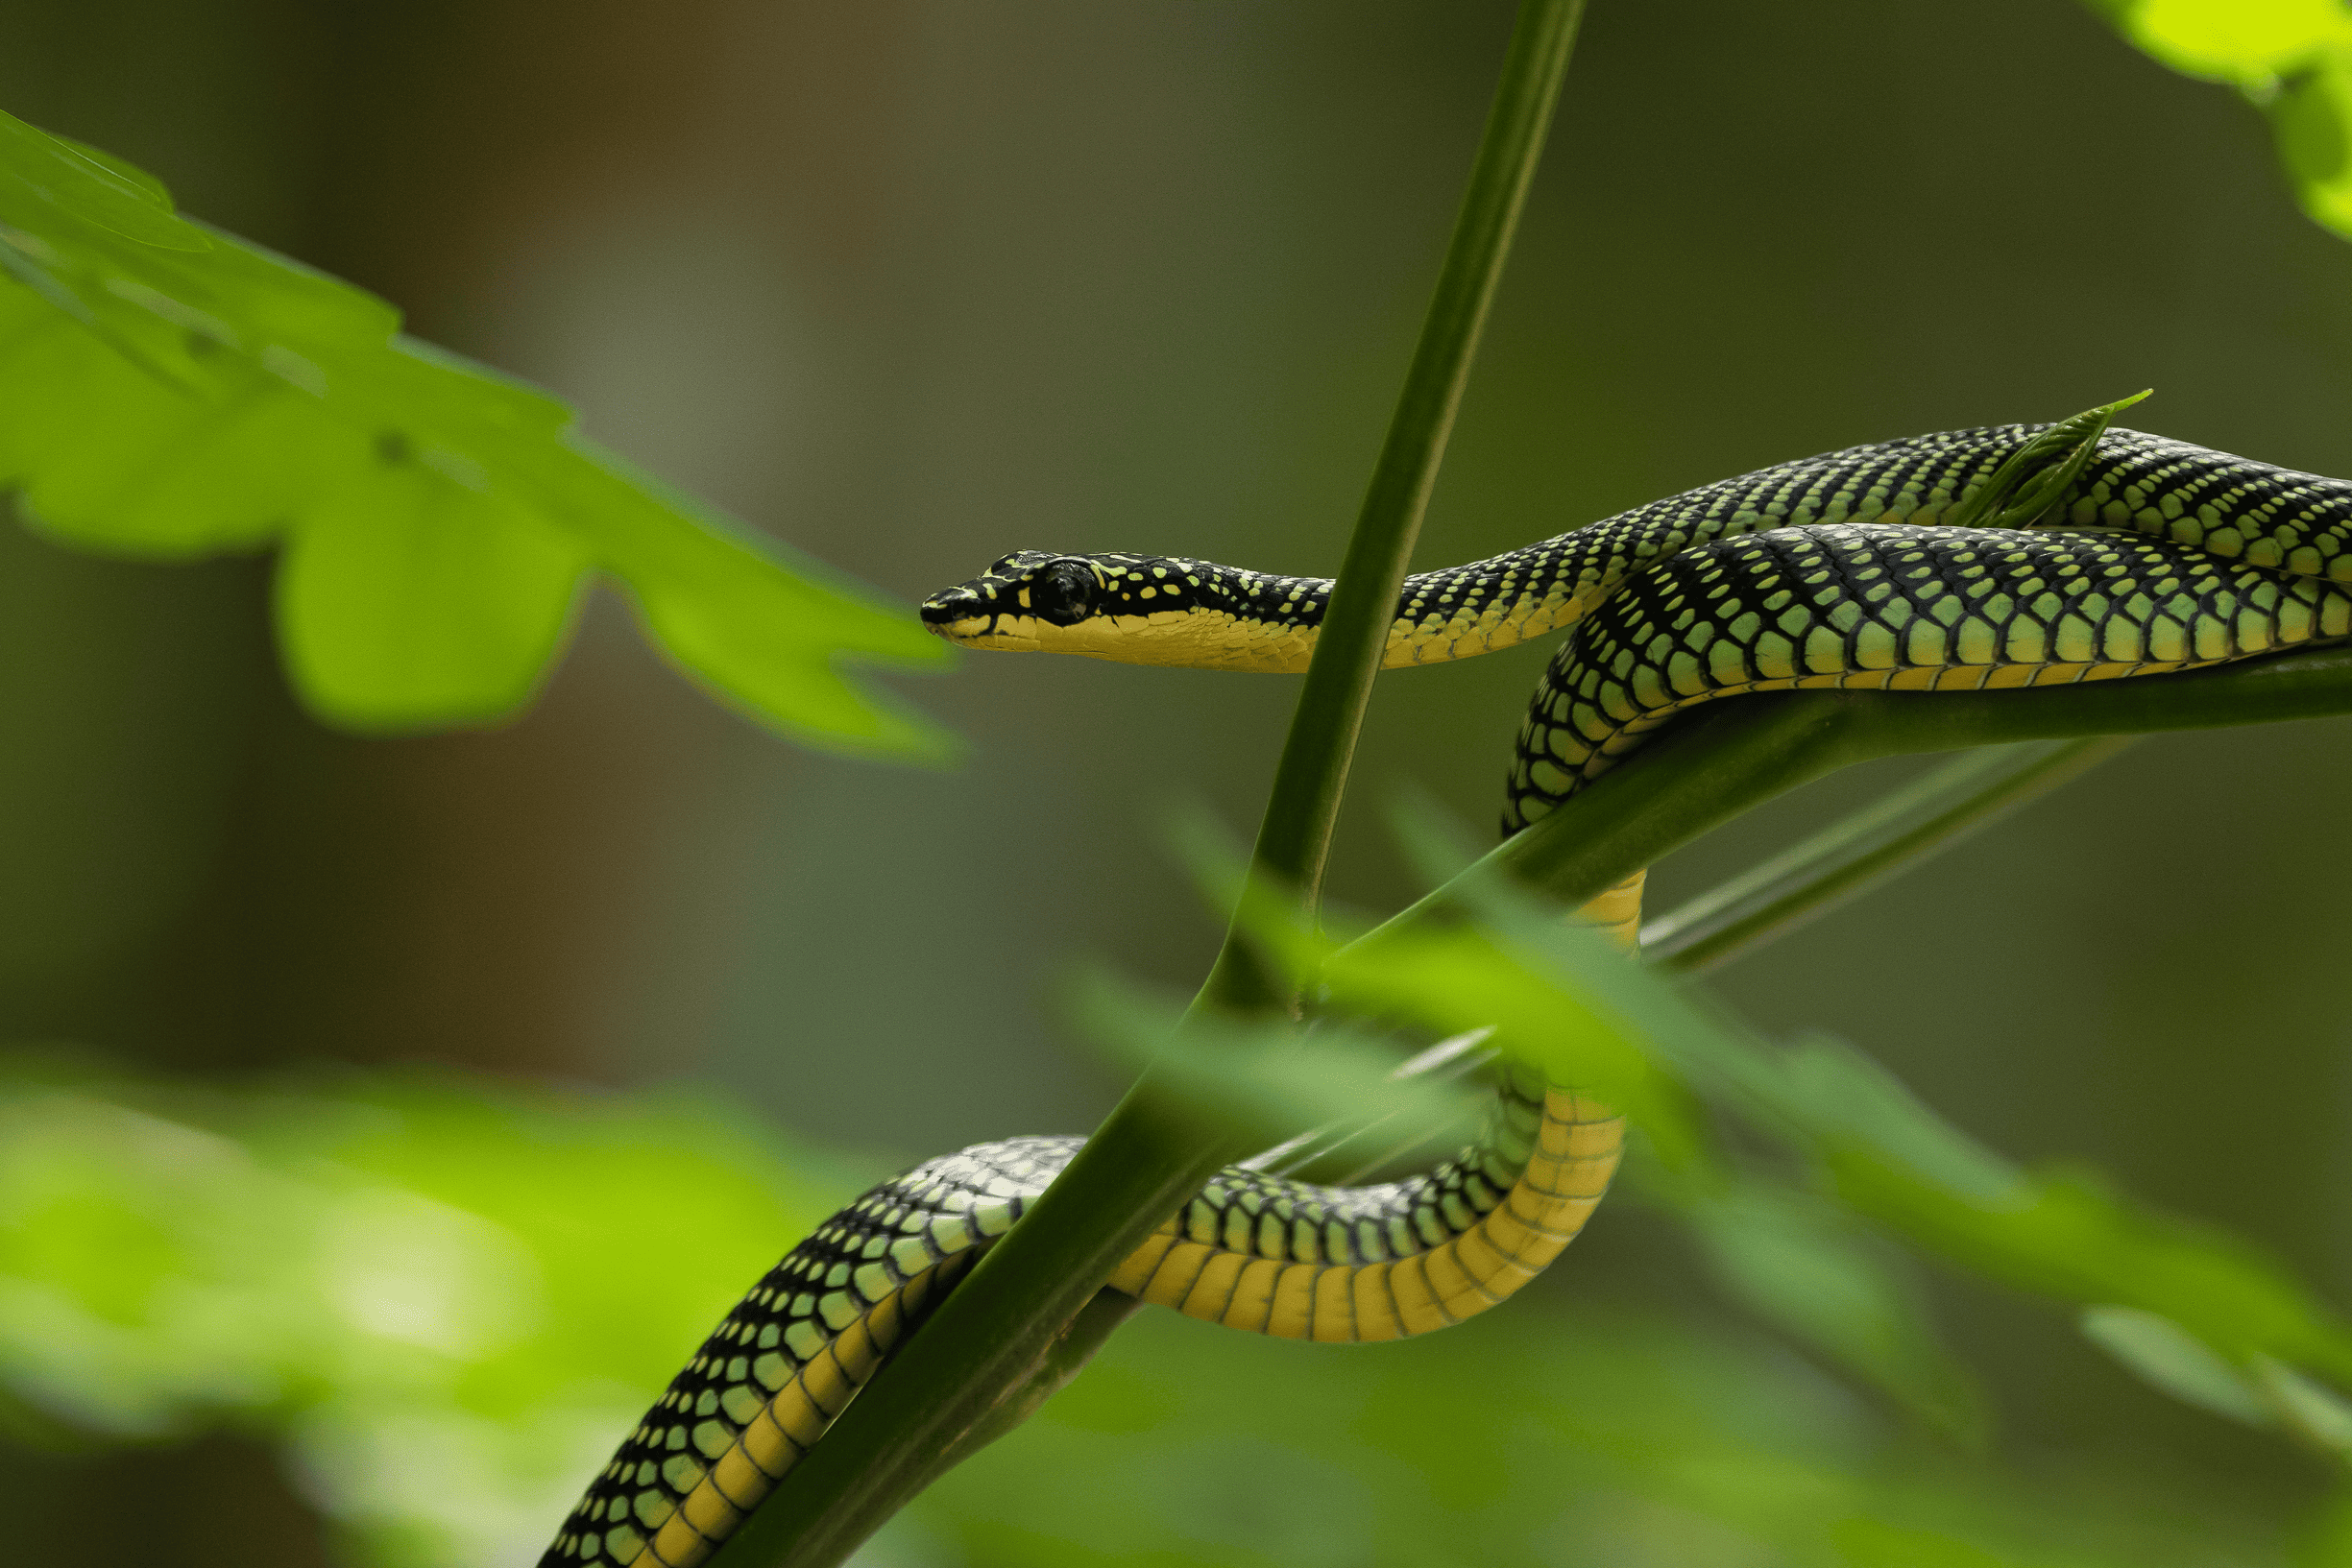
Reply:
x=953, y=604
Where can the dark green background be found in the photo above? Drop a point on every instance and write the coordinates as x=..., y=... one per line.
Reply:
x=913, y=285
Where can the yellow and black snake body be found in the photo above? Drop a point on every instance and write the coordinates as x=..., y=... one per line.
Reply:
x=1968, y=560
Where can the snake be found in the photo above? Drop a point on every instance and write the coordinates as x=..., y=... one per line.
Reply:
x=2003, y=556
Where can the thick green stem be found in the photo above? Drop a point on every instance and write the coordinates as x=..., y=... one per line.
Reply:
x=1707, y=768
x=990, y=1353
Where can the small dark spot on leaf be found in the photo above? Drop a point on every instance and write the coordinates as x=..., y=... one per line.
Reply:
x=393, y=447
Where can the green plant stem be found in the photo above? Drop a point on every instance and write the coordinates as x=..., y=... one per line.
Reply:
x=1912, y=824
x=1294, y=836
x=990, y=1352
x=1064, y=1359
x=1711, y=766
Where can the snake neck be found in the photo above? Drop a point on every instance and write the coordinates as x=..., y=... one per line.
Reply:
x=1177, y=610
x=1201, y=615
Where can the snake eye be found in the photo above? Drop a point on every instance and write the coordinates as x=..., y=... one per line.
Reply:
x=1062, y=594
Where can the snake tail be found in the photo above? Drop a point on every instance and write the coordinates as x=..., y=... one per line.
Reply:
x=1253, y=1251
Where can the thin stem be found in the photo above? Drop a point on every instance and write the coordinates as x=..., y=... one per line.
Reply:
x=1708, y=767
x=1910, y=825
x=1444, y=1062
x=989, y=1353
x=1296, y=836
x=1701, y=772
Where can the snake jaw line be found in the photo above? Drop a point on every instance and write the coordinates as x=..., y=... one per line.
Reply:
x=983, y=632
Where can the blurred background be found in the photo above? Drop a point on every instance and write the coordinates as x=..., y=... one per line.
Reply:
x=913, y=285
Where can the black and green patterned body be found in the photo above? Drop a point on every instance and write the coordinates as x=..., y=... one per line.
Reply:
x=1899, y=608
x=2160, y=557
x=2009, y=556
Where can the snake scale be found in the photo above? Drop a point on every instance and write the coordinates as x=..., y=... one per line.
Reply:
x=1968, y=560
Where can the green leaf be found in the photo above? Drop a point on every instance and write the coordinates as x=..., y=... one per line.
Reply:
x=2291, y=57
x=2248, y=43
x=1453, y=981
x=2022, y=490
x=1260, y=1078
x=67, y=178
x=2311, y=118
x=1885, y=1156
x=2061, y=1234
x=416, y=605
x=1841, y=1099
x=2318, y=1415
x=2169, y=1358
x=169, y=391
x=1804, y=1264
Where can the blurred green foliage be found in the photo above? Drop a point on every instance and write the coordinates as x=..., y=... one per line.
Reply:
x=2293, y=59
x=1630, y=1441
x=1562, y=999
x=173, y=392
x=445, y=1298
x=1259, y=1077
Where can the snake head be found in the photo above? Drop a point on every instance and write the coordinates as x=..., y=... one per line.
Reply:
x=1129, y=608
x=1019, y=603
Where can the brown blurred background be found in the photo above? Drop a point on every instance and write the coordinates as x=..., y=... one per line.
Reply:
x=915, y=284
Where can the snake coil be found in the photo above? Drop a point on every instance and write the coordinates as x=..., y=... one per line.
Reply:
x=1968, y=560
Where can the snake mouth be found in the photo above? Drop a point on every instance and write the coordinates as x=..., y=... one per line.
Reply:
x=979, y=632
x=960, y=619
